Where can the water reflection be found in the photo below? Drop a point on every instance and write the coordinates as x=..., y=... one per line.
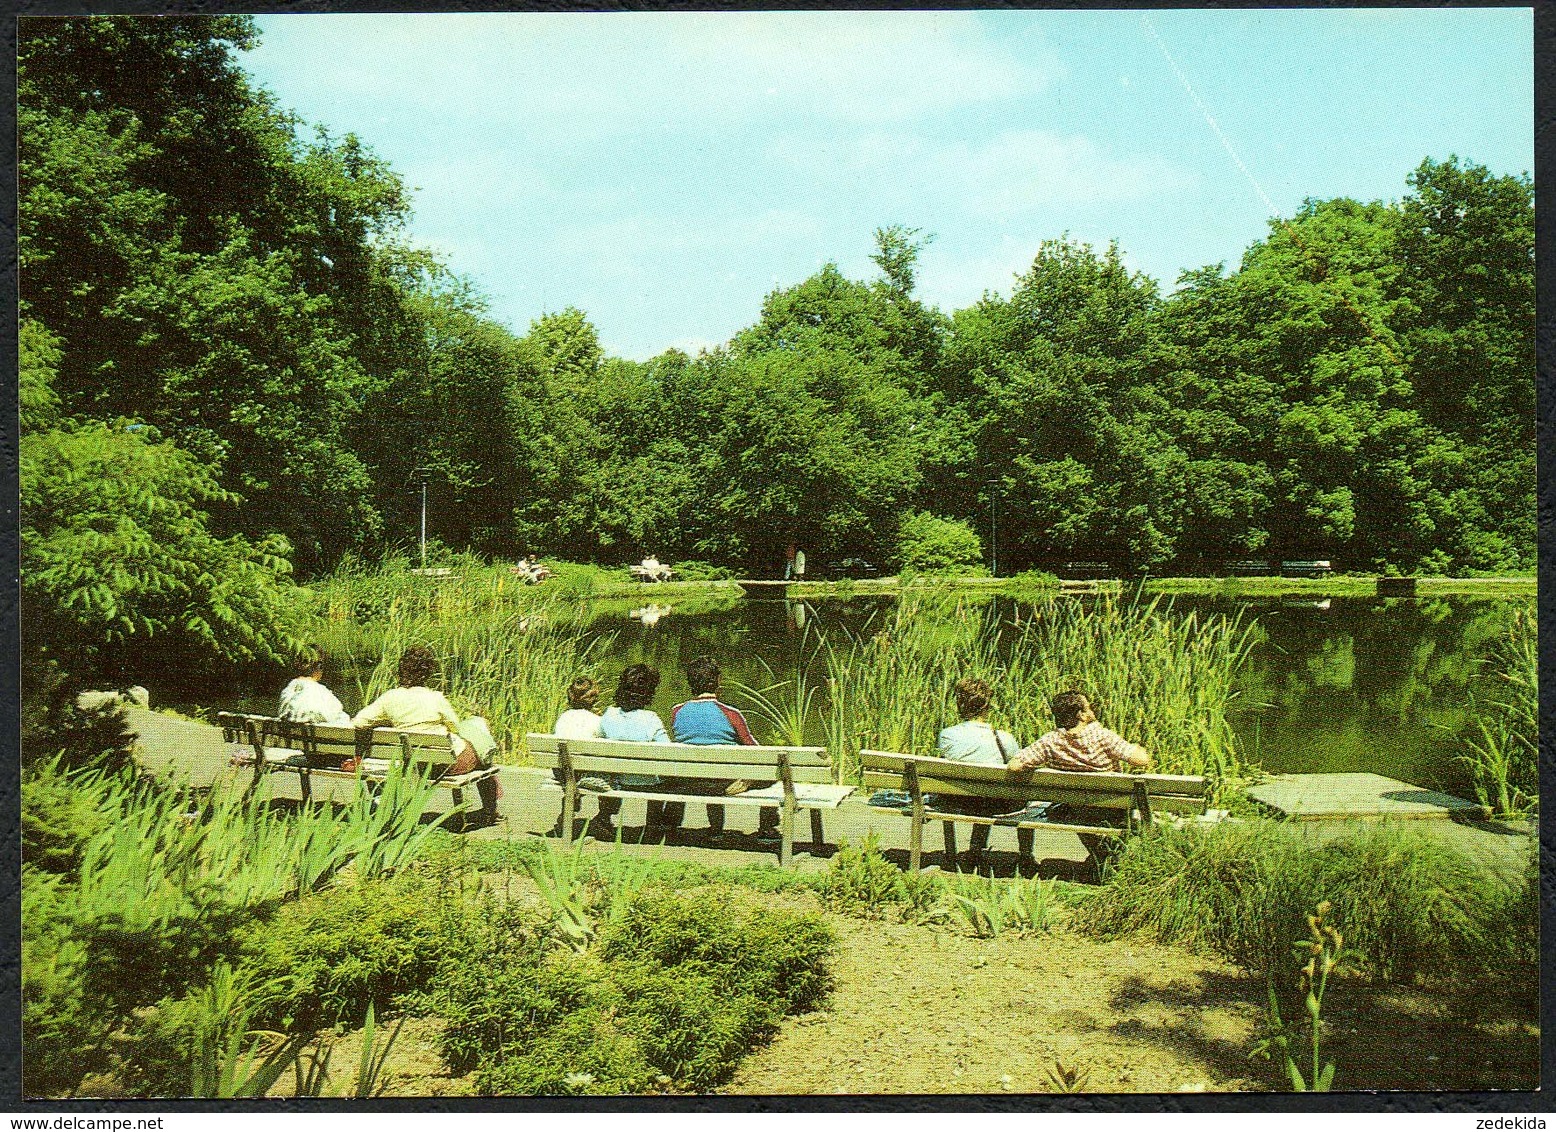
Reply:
x=1332, y=684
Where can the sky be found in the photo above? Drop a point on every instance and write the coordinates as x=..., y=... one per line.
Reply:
x=664, y=172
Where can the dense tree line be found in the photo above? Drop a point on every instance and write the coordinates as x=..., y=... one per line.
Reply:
x=221, y=303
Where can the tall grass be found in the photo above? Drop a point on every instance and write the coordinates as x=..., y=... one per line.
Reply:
x=160, y=885
x=508, y=650
x=1161, y=679
x=1408, y=904
x=1502, y=746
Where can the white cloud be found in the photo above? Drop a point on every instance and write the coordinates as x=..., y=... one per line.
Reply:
x=601, y=73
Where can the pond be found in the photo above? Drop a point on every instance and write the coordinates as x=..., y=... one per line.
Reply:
x=1334, y=684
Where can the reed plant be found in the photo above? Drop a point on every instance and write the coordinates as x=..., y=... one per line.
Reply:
x=1160, y=678
x=1503, y=742
x=508, y=650
x=1411, y=905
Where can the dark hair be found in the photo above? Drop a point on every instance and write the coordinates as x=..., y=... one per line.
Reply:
x=636, y=687
x=1068, y=707
x=418, y=664
x=972, y=697
x=583, y=693
x=703, y=675
x=309, y=662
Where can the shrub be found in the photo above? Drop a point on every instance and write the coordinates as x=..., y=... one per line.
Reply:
x=693, y=1028
x=332, y=954
x=1407, y=905
x=860, y=881
x=928, y=544
x=60, y=813
x=691, y=570
x=500, y=1001
x=585, y=1052
x=764, y=952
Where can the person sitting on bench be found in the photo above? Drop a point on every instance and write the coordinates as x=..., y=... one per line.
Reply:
x=306, y=699
x=631, y=719
x=974, y=741
x=704, y=720
x=1079, y=743
x=413, y=706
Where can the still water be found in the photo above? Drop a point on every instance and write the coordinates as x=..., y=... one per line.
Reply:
x=1337, y=684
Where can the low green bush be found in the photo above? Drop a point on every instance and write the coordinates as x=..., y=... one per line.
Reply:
x=691, y=570
x=929, y=544
x=61, y=811
x=1407, y=905
x=748, y=948
x=332, y=954
x=861, y=882
x=585, y=1052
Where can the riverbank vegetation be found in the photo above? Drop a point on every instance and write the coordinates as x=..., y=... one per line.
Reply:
x=251, y=372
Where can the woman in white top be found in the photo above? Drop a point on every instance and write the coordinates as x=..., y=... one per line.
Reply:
x=415, y=707
x=307, y=700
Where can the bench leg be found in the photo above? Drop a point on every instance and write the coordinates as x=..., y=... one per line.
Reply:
x=569, y=801
x=786, y=849
x=949, y=828
x=816, y=839
x=305, y=785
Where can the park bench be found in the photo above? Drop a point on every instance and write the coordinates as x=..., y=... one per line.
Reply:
x=1135, y=798
x=801, y=777
x=651, y=572
x=312, y=750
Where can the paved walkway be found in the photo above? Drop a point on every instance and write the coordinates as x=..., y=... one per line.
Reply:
x=531, y=803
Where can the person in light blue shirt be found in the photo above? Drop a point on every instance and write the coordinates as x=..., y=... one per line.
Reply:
x=631, y=719
x=974, y=741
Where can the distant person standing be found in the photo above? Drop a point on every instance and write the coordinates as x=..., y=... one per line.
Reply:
x=788, y=562
x=799, y=565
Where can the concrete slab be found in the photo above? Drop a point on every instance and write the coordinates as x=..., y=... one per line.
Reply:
x=1312, y=797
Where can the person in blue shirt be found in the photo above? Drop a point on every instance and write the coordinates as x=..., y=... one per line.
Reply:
x=974, y=741
x=631, y=719
x=704, y=720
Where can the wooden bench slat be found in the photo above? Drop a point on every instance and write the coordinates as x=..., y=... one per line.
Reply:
x=754, y=772
x=799, y=757
x=1101, y=780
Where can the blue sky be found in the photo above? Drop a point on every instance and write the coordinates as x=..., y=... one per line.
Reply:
x=664, y=171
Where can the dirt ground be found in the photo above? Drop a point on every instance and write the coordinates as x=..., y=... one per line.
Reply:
x=920, y=1009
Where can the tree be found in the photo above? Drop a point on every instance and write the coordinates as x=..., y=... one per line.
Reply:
x=120, y=571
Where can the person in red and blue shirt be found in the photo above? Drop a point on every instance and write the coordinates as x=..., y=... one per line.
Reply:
x=705, y=720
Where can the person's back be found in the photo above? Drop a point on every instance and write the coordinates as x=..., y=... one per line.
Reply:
x=706, y=721
x=1079, y=743
x=974, y=741
x=307, y=700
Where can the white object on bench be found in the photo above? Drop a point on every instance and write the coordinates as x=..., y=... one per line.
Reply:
x=792, y=769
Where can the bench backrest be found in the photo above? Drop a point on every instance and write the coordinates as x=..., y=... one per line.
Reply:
x=681, y=760
x=336, y=743
x=1171, y=793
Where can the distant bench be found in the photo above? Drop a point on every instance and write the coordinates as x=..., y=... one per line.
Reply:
x=1133, y=797
x=802, y=776
x=316, y=749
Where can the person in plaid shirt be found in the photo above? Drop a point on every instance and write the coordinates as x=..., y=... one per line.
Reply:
x=1079, y=742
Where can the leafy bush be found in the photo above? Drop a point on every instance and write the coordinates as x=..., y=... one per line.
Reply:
x=1408, y=905
x=691, y=570
x=928, y=544
x=584, y=1052
x=333, y=954
x=860, y=881
x=762, y=951
x=60, y=813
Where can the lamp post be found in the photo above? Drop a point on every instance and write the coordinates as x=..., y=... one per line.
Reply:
x=422, y=474
x=994, y=546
